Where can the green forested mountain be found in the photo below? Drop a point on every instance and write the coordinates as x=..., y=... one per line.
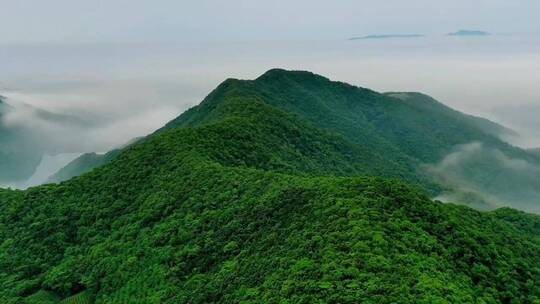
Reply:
x=434, y=108
x=424, y=137
x=412, y=129
x=406, y=128
x=242, y=200
x=435, y=144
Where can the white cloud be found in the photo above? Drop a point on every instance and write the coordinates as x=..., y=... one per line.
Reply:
x=488, y=178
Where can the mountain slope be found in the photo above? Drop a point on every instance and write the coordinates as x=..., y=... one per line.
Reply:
x=303, y=148
x=407, y=130
x=233, y=210
x=435, y=108
x=375, y=154
x=411, y=129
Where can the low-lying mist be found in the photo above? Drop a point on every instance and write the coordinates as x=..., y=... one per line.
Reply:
x=62, y=133
x=486, y=178
x=76, y=123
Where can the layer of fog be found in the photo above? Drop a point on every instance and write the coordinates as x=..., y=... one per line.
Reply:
x=86, y=122
x=49, y=165
x=487, y=178
x=117, y=92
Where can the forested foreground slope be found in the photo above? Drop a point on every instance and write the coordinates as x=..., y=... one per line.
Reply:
x=248, y=207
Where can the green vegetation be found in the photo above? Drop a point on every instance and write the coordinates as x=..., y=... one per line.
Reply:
x=408, y=128
x=244, y=201
x=433, y=108
x=42, y=297
x=80, y=298
x=411, y=130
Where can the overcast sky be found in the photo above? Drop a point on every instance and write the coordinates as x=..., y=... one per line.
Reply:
x=28, y=21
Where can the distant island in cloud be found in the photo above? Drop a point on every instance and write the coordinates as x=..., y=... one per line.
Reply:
x=387, y=36
x=460, y=33
x=469, y=33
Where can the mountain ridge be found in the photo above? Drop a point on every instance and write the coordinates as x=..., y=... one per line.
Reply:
x=410, y=130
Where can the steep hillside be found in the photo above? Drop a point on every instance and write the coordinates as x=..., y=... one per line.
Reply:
x=411, y=129
x=404, y=127
x=305, y=149
x=245, y=207
x=375, y=152
x=434, y=108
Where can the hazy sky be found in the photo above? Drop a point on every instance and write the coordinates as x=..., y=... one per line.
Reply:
x=237, y=20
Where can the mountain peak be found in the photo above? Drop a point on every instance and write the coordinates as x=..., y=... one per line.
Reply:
x=278, y=73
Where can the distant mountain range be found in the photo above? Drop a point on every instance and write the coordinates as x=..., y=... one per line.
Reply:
x=290, y=188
